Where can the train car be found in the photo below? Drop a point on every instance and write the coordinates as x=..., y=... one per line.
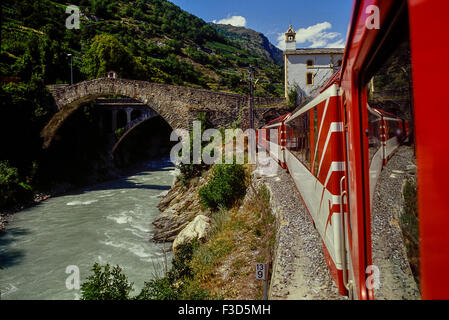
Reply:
x=336, y=145
x=392, y=134
x=261, y=139
x=315, y=160
x=274, y=139
x=377, y=30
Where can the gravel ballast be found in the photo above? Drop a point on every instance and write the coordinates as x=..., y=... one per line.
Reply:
x=299, y=268
x=389, y=252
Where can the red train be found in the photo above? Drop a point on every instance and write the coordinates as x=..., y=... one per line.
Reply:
x=336, y=145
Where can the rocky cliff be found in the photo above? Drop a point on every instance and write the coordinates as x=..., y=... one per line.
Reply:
x=178, y=208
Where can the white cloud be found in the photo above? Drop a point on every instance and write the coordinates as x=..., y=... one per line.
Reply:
x=236, y=21
x=315, y=36
x=337, y=44
x=281, y=41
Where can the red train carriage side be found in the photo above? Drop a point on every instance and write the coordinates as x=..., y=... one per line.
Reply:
x=368, y=50
x=275, y=139
x=336, y=145
x=392, y=133
x=314, y=157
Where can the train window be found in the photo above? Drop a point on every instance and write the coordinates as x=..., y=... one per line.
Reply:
x=310, y=63
x=298, y=140
x=392, y=169
x=374, y=126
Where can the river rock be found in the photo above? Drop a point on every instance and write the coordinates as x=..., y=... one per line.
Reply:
x=178, y=208
x=197, y=229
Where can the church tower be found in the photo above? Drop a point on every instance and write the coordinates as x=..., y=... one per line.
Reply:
x=290, y=39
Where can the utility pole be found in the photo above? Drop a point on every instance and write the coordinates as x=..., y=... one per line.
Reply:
x=252, y=136
x=251, y=99
x=71, y=68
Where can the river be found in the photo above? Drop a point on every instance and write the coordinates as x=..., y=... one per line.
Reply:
x=107, y=223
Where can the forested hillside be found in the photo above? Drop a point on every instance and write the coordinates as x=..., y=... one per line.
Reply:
x=252, y=40
x=148, y=40
x=152, y=40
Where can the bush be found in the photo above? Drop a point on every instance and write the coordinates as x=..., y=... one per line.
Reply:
x=178, y=284
x=189, y=171
x=12, y=190
x=119, y=133
x=227, y=185
x=293, y=93
x=159, y=289
x=106, y=284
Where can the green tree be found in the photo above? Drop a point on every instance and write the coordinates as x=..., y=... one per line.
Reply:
x=12, y=190
x=106, y=284
x=107, y=53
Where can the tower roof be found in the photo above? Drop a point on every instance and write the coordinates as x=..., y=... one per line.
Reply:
x=291, y=30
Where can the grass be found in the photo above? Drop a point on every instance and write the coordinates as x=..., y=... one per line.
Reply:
x=241, y=237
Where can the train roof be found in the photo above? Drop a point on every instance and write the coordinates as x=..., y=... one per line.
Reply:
x=385, y=113
x=277, y=120
x=335, y=79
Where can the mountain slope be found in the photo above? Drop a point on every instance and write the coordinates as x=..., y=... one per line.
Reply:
x=157, y=40
x=251, y=40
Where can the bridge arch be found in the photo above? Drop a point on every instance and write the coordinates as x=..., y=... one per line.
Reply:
x=160, y=98
x=144, y=117
x=177, y=105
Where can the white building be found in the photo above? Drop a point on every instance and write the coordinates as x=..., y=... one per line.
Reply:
x=309, y=69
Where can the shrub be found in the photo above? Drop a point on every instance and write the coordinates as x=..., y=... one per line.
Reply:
x=159, y=289
x=119, y=132
x=189, y=171
x=12, y=190
x=106, y=284
x=293, y=96
x=227, y=185
x=178, y=284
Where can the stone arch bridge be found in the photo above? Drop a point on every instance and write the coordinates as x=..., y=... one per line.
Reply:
x=177, y=105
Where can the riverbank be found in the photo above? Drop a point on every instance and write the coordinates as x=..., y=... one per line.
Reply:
x=6, y=215
x=109, y=223
x=219, y=247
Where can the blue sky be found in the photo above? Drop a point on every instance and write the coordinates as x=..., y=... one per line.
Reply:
x=320, y=23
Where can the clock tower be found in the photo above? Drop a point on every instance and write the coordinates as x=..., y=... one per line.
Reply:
x=290, y=39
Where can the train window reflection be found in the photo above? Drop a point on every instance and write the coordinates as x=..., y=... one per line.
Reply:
x=393, y=182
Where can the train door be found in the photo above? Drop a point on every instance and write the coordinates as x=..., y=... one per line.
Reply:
x=347, y=266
